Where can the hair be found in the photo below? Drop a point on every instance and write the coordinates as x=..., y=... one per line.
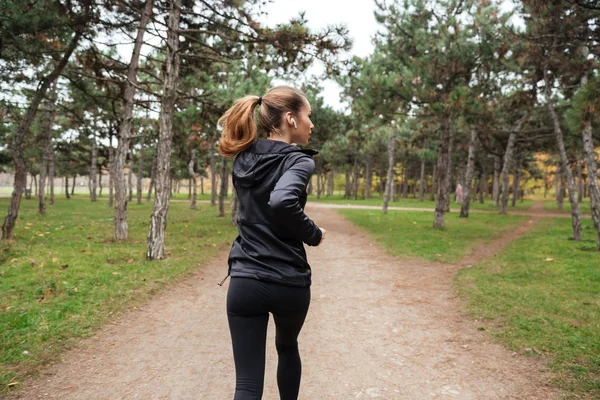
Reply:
x=239, y=125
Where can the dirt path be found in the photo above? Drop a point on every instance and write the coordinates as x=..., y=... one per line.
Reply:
x=378, y=327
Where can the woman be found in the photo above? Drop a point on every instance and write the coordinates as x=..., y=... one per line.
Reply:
x=267, y=263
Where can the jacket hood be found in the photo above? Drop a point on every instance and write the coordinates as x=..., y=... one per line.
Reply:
x=252, y=165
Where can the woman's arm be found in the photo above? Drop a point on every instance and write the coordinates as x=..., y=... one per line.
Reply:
x=285, y=201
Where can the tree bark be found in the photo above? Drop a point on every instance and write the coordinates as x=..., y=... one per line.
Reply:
x=51, y=170
x=579, y=182
x=483, y=185
x=448, y=178
x=575, y=214
x=73, y=187
x=368, y=177
x=496, y=181
x=389, y=184
x=93, y=168
x=16, y=146
x=330, y=182
x=405, y=179
x=213, y=181
x=46, y=141
x=223, y=191
x=466, y=200
x=434, y=182
x=508, y=155
x=121, y=229
x=158, y=219
x=356, y=174
x=442, y=171
x=422, y=182
x=140, y=174
x=152, y=176
x=130, y=180
x=590, y=160
x=111, y=176
x=192, y=179
x=67, y=195
x=516, y=181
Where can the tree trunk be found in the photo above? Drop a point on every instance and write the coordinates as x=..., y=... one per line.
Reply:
x=496, y=181
x=25, y=189
x=575, y=214
x=34, y=183
x=516, y=181
x=201, y=184
x=94, y=165
x=100, y=187
x=111, y=176
x=46, y=141
x=330, y=182
x=140, y=174
x=51, y=171
x=389, y=184
x=557, y=187
x=319, y=184
x=448, y=176
x=590, y=160
x=121, y=229
x=405, y=179
x=223, y=191
x=74, y=180
x=67, y=195
x=368, y=177
x=158, y=220
x=508, y=155
x=152, y=176
x=466, y=200
x=580, y=182
x=213, y=181
x=348, y=186
x=442, y=172
x=130, y=181
x=192, y=179
x=16, y=146
x=483, y=185
x=422, y=182
x=356, y=174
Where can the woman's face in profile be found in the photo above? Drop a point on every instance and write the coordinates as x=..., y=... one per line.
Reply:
x=304, y=126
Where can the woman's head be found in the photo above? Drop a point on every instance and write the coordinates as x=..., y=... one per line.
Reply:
x=284, y=112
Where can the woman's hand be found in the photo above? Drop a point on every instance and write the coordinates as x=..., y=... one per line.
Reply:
x=323, y=232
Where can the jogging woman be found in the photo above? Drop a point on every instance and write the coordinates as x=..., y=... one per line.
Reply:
x=267, y=262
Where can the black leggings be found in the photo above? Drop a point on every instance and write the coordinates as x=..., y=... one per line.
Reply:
x=249, y=302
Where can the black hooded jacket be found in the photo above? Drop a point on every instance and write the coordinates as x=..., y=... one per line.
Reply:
x=270, y=179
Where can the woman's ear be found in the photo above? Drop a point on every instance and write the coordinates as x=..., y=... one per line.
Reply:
x=289, y=118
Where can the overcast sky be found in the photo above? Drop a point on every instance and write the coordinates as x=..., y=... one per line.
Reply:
x=356, y=15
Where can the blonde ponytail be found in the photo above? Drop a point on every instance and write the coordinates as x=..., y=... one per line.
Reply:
x=239, y=127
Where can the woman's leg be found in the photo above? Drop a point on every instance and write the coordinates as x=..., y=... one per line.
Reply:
x=248, y=320
x=289, y=317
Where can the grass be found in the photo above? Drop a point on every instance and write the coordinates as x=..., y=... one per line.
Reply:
x=377, y=200
x=541, y=295
x=411, y=234
x=584, y=207
x=64, y=275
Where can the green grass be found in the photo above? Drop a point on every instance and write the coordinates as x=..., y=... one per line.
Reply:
x=411, y=234
x=584, y=207
x=64, y=275
x=541, y=295
x=377, y=200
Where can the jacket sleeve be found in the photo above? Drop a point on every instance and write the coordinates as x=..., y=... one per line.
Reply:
x=285, y=201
